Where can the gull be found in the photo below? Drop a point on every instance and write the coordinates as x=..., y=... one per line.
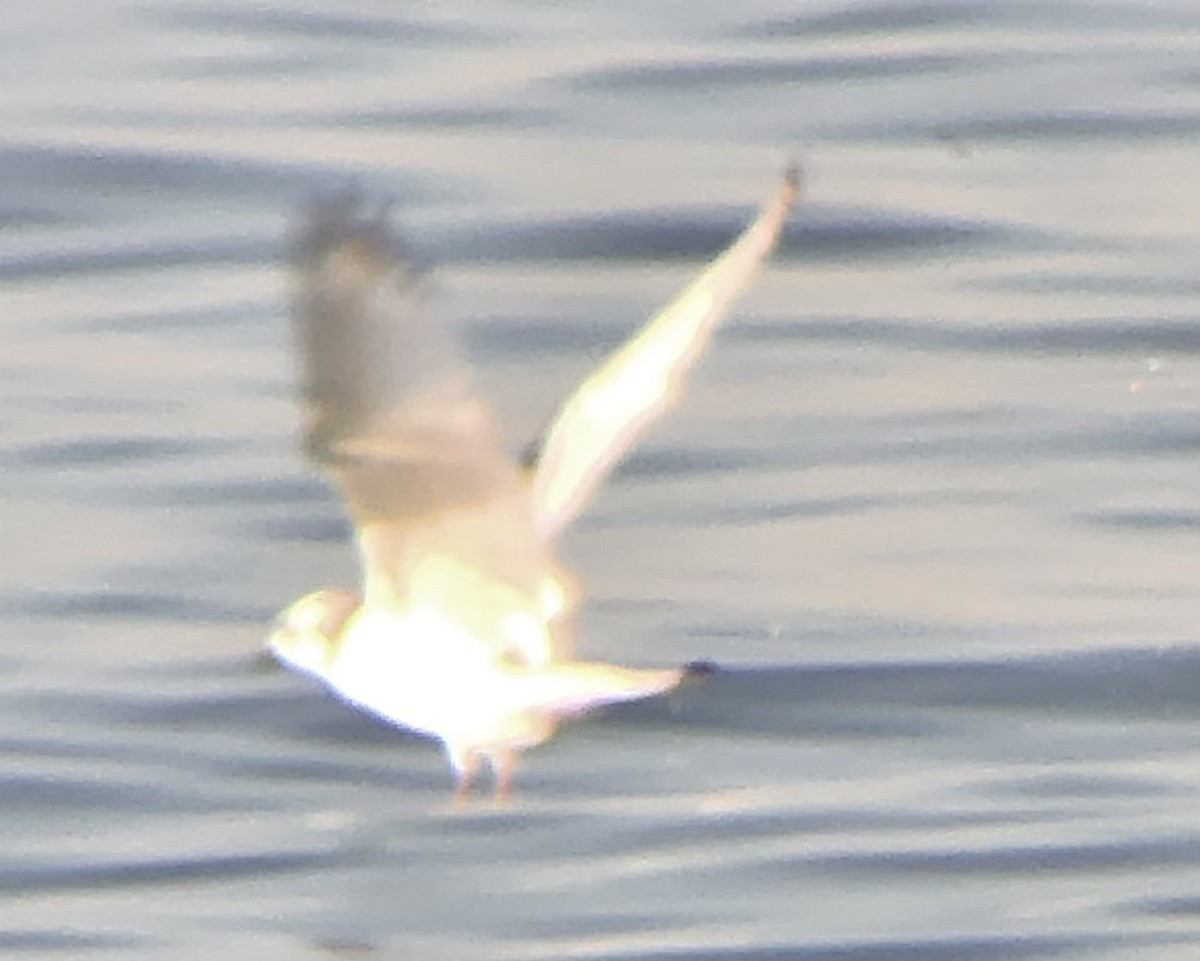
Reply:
x=461, y=628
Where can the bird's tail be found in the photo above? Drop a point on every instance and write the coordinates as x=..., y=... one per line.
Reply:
x=575, y=687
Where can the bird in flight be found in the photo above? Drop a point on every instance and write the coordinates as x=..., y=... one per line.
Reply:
x=460, y=629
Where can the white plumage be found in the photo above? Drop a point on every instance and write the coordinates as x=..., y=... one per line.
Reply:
x=458, y=630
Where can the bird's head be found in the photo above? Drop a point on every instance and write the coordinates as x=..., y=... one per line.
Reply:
x=305, y=635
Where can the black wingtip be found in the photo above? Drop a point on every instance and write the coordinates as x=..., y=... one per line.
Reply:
x=349, y=215
x=793, y=178
x=699, y=670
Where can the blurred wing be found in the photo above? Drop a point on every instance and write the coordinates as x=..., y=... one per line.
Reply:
x=391, y=410
x=608, y=412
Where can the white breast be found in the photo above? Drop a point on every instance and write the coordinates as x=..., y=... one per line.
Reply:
x=419, y=669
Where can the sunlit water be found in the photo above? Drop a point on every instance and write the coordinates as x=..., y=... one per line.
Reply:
x=933, y=501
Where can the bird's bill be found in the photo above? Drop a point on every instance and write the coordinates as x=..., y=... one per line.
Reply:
x=305, y=635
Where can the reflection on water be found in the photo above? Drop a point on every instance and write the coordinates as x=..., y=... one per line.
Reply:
x=931, y=503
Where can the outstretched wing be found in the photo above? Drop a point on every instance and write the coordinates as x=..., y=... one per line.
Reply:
x=391, y=410
x=607, y=413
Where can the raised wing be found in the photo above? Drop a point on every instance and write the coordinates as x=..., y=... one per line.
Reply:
x=391, y=411
x=605, y=416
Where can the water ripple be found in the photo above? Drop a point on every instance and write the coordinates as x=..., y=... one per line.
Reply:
x=1010, y=948
x=65, y=941
x=1107, y=124
x=143, y=605
x=709, y=74
x=359, y=27
x=1025, y=335
x=1040, y=860
x=103, y=452
x=128, y=872
x=649, y=235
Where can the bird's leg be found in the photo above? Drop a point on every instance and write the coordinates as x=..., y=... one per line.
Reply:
x=503, y=763
x=465, y=764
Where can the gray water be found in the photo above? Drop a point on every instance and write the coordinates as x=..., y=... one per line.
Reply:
x=932, y=502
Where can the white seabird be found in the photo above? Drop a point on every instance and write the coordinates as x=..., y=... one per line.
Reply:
x=459, y=630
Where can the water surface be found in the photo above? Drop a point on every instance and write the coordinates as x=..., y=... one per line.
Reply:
x=932, y=502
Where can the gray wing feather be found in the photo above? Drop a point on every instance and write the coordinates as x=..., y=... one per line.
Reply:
x=390, y=405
